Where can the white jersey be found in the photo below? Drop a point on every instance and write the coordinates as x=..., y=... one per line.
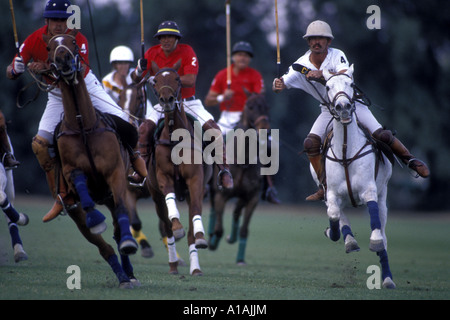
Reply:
x=112, y=87
x=334, y=62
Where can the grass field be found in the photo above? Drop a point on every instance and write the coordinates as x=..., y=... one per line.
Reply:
x=288, y=258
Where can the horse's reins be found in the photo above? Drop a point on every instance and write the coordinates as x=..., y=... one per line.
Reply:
x=345, y=162
x=76, y=67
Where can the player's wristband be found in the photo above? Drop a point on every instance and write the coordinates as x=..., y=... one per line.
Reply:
x=220, y=98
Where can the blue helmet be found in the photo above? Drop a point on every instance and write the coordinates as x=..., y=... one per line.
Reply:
x=168, y=28
x=243, y=46
x=57, y=9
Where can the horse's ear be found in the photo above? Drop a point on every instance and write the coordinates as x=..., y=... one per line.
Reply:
x=177, y=65
x=350, y=70
x=326, y=74
x=155, y=67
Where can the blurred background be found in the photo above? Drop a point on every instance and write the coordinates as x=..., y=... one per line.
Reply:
x=404, y=68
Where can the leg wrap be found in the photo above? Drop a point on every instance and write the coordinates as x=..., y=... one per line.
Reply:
x=198, y=224
x=172, y=206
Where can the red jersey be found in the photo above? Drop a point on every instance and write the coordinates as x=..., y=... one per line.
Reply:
x=248, y=78
x=189, y=62
x=34, y=48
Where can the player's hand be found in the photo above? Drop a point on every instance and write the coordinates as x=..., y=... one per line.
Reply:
x=278, y=85
x=141, y=67
x=18, y=66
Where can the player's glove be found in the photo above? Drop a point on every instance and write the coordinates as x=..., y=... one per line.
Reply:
x=18, y=66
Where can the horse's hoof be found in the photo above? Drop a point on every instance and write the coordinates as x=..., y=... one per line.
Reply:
x=177, y=229
x=146, y=249
x=19, y=253
x=376, y=246
x=126, y=285
x=388, y=283
x=173, y=268
x=98, y=229
x=376, y=241
x=351, y=245
x=135, y=282
x=23, y=219
x=201, y=243
x=128, y=246
x=197, y=272
x=178, y=234
x=231, y=239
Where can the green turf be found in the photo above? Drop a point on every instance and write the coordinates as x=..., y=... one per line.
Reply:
x=288, y=258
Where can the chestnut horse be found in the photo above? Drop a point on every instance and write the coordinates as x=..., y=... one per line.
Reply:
x=92, y=160
x=248, y=180
x=168, y=181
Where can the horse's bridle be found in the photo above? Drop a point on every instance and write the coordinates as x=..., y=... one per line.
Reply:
x=57, y=71
x=174, y=102
x=332, y=102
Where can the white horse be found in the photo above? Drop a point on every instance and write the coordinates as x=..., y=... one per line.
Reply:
x=13, y=218
x=352, y=177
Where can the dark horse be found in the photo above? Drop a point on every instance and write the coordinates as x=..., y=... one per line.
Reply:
x=92, y=160
x=246, y=174
x=168, y=181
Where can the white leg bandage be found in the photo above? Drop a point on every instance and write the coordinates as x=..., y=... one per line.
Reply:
x=172, y=206
x=198, y=224
x=193, y=259
x=172, y=250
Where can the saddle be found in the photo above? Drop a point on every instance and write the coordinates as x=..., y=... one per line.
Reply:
x=379, y=148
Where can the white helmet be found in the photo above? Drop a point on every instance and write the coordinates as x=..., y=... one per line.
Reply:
x=121, y=53
x=318, y=28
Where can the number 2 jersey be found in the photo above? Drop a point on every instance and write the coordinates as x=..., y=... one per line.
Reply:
x=189, y=62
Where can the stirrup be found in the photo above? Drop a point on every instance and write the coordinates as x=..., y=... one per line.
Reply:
x=131, y=182
x=12, y=158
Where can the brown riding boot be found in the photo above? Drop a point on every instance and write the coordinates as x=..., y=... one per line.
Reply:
x=316, y=162
x=62, y=197
x=312, y=147
x=146, y=131
x=402, y=152
x=415, y=164
x=225, y=179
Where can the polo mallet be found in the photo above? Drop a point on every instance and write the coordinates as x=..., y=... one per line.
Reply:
x=144, y=67
x=227, y=11
x=16, y=37
x=278, y=40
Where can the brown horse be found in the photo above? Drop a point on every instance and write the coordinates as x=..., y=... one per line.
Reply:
x=91, y=159
x=168, y=181
x=246, y=174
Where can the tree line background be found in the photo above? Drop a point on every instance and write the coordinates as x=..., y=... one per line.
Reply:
x=404, y=68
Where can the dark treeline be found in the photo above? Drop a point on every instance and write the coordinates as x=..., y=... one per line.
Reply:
x=404, y=67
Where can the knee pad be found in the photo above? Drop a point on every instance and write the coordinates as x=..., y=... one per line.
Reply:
x=312, y=144
x=40, y=148
x=385, y=136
